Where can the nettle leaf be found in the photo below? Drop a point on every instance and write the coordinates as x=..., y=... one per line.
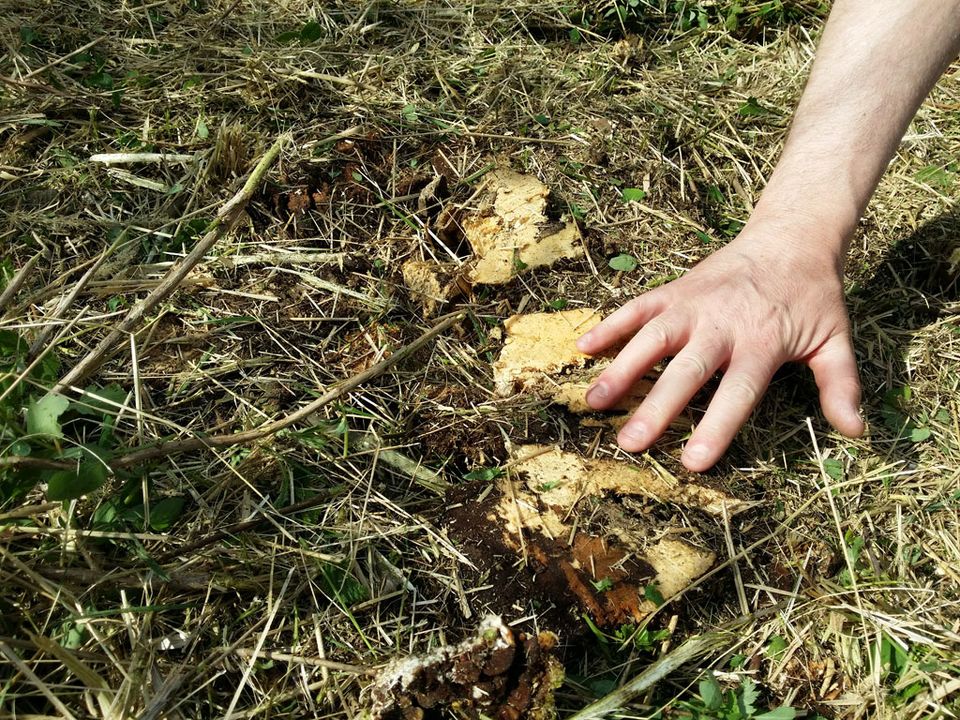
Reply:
x=43, y=415
x=623, y=262
x=90, y=473
x=748, y=697
x=710, y=692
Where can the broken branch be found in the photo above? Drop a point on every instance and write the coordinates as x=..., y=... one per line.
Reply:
x=226, y=220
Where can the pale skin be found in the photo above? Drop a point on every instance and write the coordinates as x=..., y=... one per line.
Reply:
x=775, y=293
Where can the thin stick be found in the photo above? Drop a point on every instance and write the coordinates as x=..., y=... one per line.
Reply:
x=334, y=393
x=64, y=58
x=140, y=157
x=303, y=660
x=226, y=220
x=18, y=280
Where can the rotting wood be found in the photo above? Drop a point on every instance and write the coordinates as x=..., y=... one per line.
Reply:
x=510, y=233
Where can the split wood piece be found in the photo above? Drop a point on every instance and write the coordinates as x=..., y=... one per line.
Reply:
x=494, y=673
x=560, y=479
x=511, y=233
x=539, y=347
x=508, y=233
x=433, y=284
x=540, y=356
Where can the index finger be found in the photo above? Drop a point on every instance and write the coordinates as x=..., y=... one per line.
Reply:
x=623, y=322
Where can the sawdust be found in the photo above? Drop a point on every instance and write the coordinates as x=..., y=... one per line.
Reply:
x=509, y=233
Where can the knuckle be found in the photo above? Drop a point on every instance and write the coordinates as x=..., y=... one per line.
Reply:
x=651, y=412
x=693, y=365
x=741, y=389
x=658, y=331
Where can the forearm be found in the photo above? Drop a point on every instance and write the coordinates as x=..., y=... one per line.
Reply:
x=877, y=61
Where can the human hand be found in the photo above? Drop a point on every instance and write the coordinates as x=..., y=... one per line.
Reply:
x=767, y=298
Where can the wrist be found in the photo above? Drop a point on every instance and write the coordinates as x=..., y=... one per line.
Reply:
x=796, y=236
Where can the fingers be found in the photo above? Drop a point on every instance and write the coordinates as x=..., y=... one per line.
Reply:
x=684, y=376
x=835, y=370
x=738, y=393
x=623, y=323
x=658, y=338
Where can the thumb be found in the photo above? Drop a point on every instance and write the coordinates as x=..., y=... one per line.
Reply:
x=835, y=370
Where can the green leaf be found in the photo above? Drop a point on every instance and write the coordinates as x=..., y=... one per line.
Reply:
x=311, y=32
x=710, y=692
x=919, y=434
x=781, y=713
x=203, y=132
x=752, y=108
x=409, y=113
x=43, y=415
x=28, y=35
x=90, y=474
x=776, y=647
x=558, y=304
x=632, y=194
x=623, y=262
x=602, y=585
x=933, y=175
x=484, y=474
x=11, y=344
x=100, y=80
x=833, y=468
x=164, y=513
x=100, y=401
x=748, y=697
x=652, y=593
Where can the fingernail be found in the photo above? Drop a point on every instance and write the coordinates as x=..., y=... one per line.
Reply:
x=584, y=341
x=599, y=392
x=696, y=453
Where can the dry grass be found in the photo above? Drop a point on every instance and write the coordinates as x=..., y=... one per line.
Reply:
x=108, y=613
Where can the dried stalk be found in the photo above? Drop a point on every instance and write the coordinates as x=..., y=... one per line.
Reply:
x=616, y=701
x=10, y=291
x=226, y=220
x=334, y=393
